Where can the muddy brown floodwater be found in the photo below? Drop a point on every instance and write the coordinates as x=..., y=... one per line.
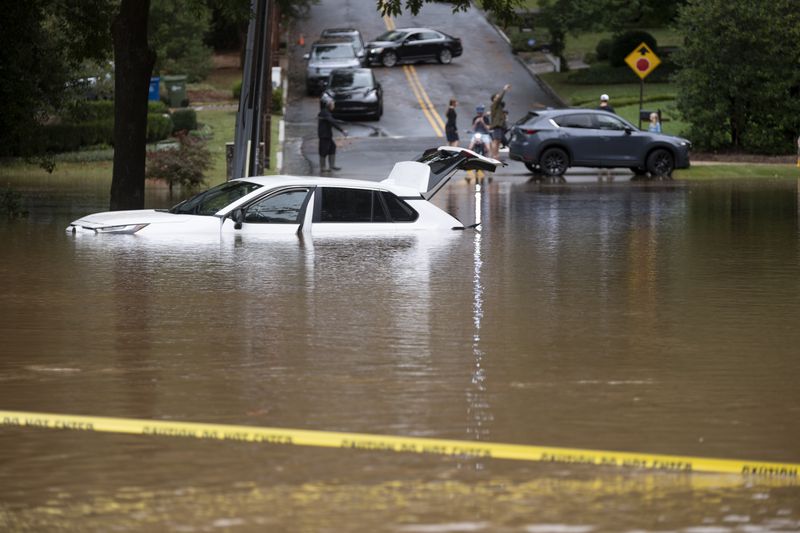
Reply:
x=654, y=318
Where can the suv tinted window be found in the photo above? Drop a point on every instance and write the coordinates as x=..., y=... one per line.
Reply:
x=398, y=209
x=574, y=121
x=350, y=205
x=608, y=122
x=281, y=208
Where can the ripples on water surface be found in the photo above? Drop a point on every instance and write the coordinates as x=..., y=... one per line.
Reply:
x=652, y=318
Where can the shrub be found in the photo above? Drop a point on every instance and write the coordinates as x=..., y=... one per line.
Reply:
x=237, y=90
x=624, y=43
x=520, y=40
x=184, y=165
x=184, y=119
x=603, y=74
x=277, y=101
x=157, y=106
x=159, y=126
x=68, y=136
x=89, y=111
x=603, y=49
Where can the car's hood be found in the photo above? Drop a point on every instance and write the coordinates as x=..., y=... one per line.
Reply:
x=349, y=91
x=333, y=63
x=125, y=221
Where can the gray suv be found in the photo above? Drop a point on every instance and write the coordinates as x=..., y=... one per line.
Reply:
x=324, y=57
x=552, y=140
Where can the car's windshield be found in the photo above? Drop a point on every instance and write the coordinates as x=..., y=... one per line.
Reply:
x=214, y=199
x=333, y=51
x=344, y=79
x=392, y=35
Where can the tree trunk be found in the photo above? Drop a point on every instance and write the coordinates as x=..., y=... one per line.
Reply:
x=133, y=65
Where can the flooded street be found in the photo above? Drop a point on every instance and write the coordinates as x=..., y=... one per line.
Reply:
x=645, y=317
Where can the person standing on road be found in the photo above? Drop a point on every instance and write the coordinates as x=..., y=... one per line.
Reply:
x=450, y=129
x=497, y=120
x=325, y=125
x=604, y=105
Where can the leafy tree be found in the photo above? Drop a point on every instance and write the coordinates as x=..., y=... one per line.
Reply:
x=739, y=81
x=42, y=44
x=184, y=165
x=176, y=30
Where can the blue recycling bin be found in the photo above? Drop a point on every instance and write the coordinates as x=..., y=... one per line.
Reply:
x=153, y=94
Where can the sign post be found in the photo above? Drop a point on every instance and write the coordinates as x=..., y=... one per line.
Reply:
x=642, y=61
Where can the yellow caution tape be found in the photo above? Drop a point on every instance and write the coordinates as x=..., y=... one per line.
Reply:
x=361, y=441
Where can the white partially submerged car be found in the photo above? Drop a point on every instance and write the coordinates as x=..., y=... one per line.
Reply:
x=283, y=205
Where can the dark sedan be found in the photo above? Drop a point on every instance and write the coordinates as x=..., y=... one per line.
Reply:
x=552, y=140
x=355, y=93
x=411, y=45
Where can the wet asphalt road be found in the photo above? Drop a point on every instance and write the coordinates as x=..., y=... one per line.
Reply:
x=404, y=130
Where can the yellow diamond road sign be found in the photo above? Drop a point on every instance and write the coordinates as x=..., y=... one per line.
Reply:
x=642, y=60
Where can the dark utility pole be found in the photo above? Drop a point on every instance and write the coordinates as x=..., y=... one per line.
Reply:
x=252, y=136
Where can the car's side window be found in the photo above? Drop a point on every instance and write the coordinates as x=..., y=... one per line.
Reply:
x=607, y=122
x=414, y=37
x=350, y=205
x=429, y=36
x=399, y=210
x=574, y=121
x=281, y=208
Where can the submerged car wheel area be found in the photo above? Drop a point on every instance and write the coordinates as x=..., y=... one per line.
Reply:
x=553, y=140
x=288, y=205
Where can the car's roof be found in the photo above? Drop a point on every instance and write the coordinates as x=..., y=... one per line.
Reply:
x=327, y=41
x=339, y=30
x=285, y=180
x=566, y=111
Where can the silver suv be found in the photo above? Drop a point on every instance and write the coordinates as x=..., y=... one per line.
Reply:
x=324, y=57
x=351, y=34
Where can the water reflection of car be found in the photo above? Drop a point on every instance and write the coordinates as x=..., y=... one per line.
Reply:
x=550, y=141
x=355, y=93
x=287, y=205
x=413, y=44
x=323, y=58
x=350, y=34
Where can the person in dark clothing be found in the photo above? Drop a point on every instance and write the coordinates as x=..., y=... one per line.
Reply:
x=604, y=104
x=325, y=125
x=450, y=129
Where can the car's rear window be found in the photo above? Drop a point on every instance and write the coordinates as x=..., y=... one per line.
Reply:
x=333, y=51
x=529, y=117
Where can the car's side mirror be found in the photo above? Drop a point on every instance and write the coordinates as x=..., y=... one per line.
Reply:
x=306, y=56
x=238, y=218
x=628, y=130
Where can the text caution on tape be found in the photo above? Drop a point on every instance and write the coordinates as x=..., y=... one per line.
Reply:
x=361, y=441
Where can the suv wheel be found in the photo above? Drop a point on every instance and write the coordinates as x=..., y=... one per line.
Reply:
x=554, y=162
x=389, y=59
x=660, y=163
x=445, y=56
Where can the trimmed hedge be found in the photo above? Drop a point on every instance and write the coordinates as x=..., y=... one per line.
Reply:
x=159, y=126
x=184, y=119
x=604, y=74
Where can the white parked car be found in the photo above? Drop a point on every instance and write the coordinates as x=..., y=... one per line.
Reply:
x=284, y=205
